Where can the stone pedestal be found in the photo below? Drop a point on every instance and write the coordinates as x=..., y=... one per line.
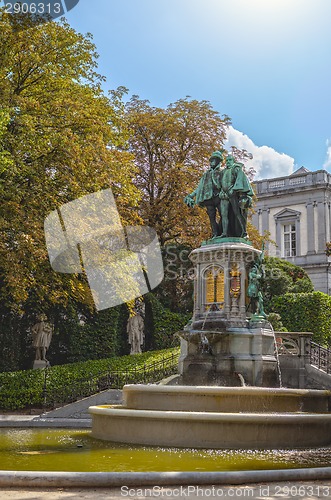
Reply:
x=40, y=363
x=226, y=344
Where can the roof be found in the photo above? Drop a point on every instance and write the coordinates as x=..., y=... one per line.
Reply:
x=301, y=170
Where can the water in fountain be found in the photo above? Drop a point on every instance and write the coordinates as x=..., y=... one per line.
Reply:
x=204, y=321
x=242, y=380
x=277, y=357
x=76, y=451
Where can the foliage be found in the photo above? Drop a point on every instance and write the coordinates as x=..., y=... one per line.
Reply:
x=276, y=322
x=15, y=343
x=5, y=158
x=60, y=136
x=253, y=233
x=21, y=389
x=306, y=312
x=83, y=337
x=176, y=290
x=164, y=324
x=283, y=277
x=26, y=388
x=171, y=147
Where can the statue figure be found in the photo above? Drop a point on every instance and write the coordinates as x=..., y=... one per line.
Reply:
x=254, y=287
x=207, y=192
x=41, y=337
x=236, y=197
x=226, y=191
x=135, y=330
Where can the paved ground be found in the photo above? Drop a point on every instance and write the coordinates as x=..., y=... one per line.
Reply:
x=266, y=491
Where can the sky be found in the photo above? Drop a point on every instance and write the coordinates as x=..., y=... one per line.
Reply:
x=264, y=63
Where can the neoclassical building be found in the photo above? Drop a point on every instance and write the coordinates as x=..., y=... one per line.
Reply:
x=296, y=211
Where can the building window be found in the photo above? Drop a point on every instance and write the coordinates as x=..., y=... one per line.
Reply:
x=288, y=232
x=289, y=240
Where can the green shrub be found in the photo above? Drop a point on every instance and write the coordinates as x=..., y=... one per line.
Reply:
x=276, y=322
x=306, y=312
x=164, y=324
x=64, y=383
x=21, y=389
x=283, y=277
x=96, y=338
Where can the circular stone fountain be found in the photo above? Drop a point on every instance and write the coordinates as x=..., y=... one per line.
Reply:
x=228, y=371
x=216, y=417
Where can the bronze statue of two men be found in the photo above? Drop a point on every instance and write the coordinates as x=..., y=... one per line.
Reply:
x=226, y=190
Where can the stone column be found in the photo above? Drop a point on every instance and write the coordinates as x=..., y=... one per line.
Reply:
x=298, y=235
x=255, y=220
x=265, y=219
x=328, y=221
x=321, y=208
x=278, y=238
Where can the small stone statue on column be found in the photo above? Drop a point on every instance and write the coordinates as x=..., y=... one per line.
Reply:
x=42, y=333
x=135, y=329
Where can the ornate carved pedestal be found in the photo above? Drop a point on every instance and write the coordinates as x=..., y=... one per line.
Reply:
x=225, y=344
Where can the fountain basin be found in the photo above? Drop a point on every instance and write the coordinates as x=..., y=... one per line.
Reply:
x=204, y=417
x=76, y=452
x=211, y=430
x=225, y=399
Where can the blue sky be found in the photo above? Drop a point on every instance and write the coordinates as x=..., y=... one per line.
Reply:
x=265, y=63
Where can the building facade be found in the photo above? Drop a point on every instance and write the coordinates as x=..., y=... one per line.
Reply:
x=296, y=211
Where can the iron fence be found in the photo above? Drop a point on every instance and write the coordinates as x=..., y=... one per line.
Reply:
x=320, y=357
x=55, y=393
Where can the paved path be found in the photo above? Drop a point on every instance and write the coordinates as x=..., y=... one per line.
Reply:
x=264, y=491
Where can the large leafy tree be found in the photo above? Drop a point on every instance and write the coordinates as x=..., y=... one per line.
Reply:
x=171, y=147
x=59, y=139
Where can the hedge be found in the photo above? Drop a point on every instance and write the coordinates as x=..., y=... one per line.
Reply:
x=306, y=312
x=23, y=389
x=164, y=324
x=283, y=277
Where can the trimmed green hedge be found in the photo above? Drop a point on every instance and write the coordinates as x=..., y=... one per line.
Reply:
x=165, y=324
x=306, y=312
x=24, y=389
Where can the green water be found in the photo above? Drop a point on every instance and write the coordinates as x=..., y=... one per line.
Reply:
x=77, y=451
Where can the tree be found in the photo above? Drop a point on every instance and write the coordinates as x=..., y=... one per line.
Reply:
x=171, y=147
x=59, y=136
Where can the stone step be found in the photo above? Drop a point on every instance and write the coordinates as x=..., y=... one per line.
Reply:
x=79, y=409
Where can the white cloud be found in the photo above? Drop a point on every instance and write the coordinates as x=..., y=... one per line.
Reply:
x=266, y=161
x=327, y=163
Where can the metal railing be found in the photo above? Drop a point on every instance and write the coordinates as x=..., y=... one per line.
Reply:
x=320, y=357
x=58, y=394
